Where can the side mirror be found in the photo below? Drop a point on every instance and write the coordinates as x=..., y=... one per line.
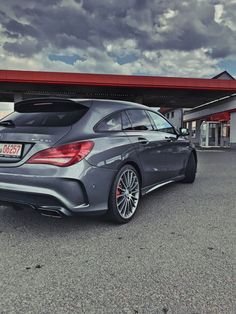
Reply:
x=183, y=132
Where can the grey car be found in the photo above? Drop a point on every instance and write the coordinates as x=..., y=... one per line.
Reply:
x=64, y=157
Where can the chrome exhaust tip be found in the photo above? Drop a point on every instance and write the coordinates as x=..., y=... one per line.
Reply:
x=50, y=212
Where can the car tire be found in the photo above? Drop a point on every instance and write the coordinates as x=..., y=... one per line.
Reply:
x=124, y=195
x=191, y=169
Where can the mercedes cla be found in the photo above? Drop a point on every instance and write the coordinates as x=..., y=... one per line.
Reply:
x=63, y=157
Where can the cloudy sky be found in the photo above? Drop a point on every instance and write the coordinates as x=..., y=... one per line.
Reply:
x=191, y=38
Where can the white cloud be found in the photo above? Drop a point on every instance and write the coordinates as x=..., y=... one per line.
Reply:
x=163, y=63
x=219, y=9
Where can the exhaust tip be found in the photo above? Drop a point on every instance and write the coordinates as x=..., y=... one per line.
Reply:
x=50, y=213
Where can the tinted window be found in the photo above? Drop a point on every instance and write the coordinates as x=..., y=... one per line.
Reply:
x=140, y=120
x=126, y=125
x=47, y=119
x=161, y=124
x=111, y=123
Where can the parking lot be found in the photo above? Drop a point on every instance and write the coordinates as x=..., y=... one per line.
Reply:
x=176, y=256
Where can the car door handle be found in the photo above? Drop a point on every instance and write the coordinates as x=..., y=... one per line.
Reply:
x=143, y=140
x=169, y=139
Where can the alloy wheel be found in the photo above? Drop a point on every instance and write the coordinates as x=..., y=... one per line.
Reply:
x=127, y=193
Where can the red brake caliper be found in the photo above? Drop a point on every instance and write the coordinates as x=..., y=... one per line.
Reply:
x=118, y=192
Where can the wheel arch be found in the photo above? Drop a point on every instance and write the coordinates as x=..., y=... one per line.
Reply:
x=133, y=164
x=136, y=167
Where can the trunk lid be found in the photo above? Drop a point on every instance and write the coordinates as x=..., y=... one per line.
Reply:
x=30, y=140
x=34, y=126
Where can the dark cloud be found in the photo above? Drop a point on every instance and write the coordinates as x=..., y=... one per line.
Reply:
x=17, y=29
x=24, y=48
x=32, y=26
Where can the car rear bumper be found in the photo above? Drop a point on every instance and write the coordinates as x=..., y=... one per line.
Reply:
x=81, y=188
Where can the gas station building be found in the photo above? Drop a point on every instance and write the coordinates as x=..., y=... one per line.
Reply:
x=211, y=124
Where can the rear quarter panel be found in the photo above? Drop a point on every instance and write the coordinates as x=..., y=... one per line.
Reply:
x=112, y=150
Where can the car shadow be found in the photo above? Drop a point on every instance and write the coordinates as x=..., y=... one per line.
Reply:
x=29, y=220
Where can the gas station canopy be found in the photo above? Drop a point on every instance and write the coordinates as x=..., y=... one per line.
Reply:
x=149, y=90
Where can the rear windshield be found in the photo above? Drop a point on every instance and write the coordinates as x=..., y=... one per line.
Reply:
x=47, y=119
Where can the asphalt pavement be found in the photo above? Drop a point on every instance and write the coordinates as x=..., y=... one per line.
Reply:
x=176, y=256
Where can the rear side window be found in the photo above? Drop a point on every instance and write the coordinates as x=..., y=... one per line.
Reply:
x=46, y=119
x=126, y=125
x=111, y=123
x=140, y=120
x=161, y=123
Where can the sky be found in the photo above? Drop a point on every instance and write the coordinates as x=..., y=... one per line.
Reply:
x=184, y=38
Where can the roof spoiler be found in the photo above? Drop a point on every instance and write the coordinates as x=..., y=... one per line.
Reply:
x=47, y=105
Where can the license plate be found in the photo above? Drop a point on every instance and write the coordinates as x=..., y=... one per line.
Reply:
x=10, y=150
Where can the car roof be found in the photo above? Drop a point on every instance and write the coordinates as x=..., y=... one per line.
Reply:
x=111, y=104
x=101, y=105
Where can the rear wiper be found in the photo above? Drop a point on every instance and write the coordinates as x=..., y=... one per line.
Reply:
x=7, y=123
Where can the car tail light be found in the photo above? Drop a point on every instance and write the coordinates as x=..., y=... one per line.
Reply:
x=63, y=156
